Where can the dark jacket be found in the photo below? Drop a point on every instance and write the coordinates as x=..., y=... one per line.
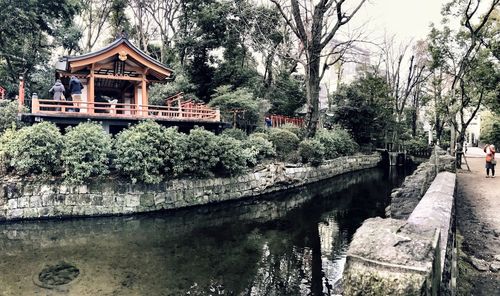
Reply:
x=75, y=86
x=58, y=90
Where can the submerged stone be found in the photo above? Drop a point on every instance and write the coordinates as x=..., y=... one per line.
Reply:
x=59, y=274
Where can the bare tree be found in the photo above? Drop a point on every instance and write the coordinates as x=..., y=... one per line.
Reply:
x=143, y=23
x=403, y=82
x=315, y=24
x=165, y=15
x=94, y=16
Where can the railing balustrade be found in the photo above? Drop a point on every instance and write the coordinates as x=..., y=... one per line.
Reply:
x=112, y=109
x=279, y=120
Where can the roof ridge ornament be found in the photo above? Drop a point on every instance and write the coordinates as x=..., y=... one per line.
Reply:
x=122, y=55
x=122, y=35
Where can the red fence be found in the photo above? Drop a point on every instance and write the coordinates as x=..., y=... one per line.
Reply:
x=279, y=120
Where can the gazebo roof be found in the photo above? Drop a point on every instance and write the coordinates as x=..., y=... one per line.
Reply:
x=121, y=48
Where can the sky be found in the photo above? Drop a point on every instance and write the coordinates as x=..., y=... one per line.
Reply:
x=408, y=19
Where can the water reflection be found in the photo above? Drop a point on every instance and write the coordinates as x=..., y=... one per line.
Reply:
x=291, y=243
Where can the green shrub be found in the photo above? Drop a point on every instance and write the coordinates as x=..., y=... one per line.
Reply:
x=8, y=115
x=261, y=130
x=174, y=150
x=140, y=152
x=260, y=135
x=159, y=92
x=201, y=154
x=36, y=149
x=232, y=156
x=312, y=151
x=349, y=146
x=5, y=149
x=416, y=145
x=337, y=142
x=258, y=148
x=86, y=152
x=294, y=129
x=284, y=141
x=241, y=99
x=235, y=133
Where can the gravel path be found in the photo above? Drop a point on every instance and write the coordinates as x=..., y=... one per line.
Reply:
x=478, y=222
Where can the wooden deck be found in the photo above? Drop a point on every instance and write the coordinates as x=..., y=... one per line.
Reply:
x=95, y=110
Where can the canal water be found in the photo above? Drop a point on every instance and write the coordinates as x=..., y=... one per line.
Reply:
x=291, y=243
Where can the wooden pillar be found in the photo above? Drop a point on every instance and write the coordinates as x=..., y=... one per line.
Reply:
x=144, y=96
x=35, y=105
x=91, y=92
x=136, y=99
x=21, y=93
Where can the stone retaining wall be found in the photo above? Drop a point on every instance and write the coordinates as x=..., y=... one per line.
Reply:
x=21, y=199
x=412, y=257
x=405, y=198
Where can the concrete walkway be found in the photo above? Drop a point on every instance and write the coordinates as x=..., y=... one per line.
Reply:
x=478, y=221
x=485, y=191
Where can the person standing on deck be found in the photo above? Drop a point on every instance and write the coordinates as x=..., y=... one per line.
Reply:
x=75, y=87
x=490, y=160
x=58, y=89
x=268, y=122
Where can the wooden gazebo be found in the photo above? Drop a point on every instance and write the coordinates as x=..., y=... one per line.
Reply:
x=115, y=80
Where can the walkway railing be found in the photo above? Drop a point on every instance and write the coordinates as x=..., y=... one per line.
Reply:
x=111, y=109
x=279, y=120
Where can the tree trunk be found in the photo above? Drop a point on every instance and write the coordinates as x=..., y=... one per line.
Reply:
x=268, y=76
x=453, y=138
x=312, y=92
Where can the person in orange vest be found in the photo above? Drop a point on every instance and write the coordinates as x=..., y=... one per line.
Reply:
x=490, y=160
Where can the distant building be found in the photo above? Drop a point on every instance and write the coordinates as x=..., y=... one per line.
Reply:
x=473, y=131
x=355, y=61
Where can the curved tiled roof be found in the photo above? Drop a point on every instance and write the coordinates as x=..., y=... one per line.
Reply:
x=114, y=44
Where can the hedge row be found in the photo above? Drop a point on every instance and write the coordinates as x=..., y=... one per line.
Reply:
x=149, y=153
x=327, y=144
x=146, y=152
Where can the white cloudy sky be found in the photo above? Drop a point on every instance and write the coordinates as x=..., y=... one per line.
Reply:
x=408, y=19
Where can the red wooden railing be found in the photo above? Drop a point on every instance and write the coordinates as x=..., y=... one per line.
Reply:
x=279, y=120
x=97, y=109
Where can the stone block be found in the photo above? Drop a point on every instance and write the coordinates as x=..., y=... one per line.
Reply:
x=23, y=202
x=96, y=199
x=132, y=200
x=159, y=198
x=11, y=191
x=392, y=257
x=71, y=200
x=59, y=199
x=28, y=190
x=35, y=201
x=47, y=199
x=63, y=189
x=119, y=200
x=78, y=210
x=12, y=204
x=83, y=189
x=15, y=214
x=84, y=199
x=62, y=211
x=107, y=199
x=45, y=188
x=46, y=212
x=30, y=213
x=147, y=200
